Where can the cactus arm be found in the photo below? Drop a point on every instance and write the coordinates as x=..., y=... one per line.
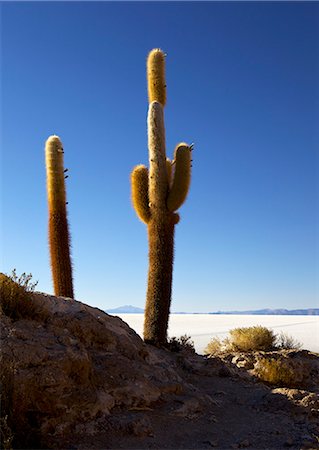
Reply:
x=140, y=199
x=156, y=76
x=59, y=238
x=158, y=183
x=182, y=176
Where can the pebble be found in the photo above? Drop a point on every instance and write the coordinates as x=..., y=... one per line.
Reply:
x=244, y=444
x=224, y=372
x=289, y=442
x=308, y=443
x=213, y=419
x=211, y=443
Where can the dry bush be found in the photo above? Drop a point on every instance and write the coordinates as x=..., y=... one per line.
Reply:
x=251, y=339
x=182, y=343
x=214, y=347
x=284, y=341
x=16, y=297
x=277, y=372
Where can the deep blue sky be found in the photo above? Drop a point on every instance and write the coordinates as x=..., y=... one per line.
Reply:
x=242, y=84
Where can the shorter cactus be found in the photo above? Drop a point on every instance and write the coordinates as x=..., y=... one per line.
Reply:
x=59, y=239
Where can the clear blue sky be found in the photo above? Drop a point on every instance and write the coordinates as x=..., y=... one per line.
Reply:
x=242, y=84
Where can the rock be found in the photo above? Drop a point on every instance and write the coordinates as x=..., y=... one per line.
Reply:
x=80, y=364
x=224, y=372
x=84, y=379
x=213, y=418
x=141, y=427
x=136, y=394
x=297, y=368
x=244, y=444
x=305, y=400
x=211, y=443
x=243, y=361
x=289, y=442
x=190, y=408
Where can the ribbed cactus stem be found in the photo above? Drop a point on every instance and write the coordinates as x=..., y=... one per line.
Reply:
x=166, y=192
x=159, y=285
x=169, y=169
x=59, y=239
x=156, y=76
x=158, y=183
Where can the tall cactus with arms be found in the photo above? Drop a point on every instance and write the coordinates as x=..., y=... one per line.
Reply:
x=59, y=239
x=157, y=194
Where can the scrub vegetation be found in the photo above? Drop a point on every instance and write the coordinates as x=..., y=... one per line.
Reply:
x=250, y=339
x=16, y=295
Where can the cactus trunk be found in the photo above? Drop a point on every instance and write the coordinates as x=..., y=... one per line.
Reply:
x=166, y=193
x=59, y=239
x=60, y=254
x=158, y=299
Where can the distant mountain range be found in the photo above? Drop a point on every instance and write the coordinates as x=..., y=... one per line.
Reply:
x=126, y=309
x=275, y=312
x=129, y=309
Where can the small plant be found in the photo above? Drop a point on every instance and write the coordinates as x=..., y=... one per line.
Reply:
x=182, y=343
x=276, y=371
x=252, y=338
x=16, y=295
x=214, y=347
x=284, y=341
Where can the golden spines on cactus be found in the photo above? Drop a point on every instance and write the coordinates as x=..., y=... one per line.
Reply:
x=55, y=174
x=169, y=168
x=158, y=182
x=159, y=285
x=156, y=76
x=166, y=192
x=140, y=199
x=59, y=239
x=181, y=179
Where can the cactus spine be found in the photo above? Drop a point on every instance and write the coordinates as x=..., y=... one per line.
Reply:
x=156, y=195
x=59, y=239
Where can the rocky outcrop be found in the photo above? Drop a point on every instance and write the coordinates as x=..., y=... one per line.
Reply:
x=292, y=368
x=75, y=377
x=76, y=364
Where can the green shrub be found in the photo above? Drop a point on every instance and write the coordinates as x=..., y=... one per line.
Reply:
x=182, y=343
x=16, y=296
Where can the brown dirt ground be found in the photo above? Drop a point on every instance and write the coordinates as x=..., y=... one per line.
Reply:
x=227, y=411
